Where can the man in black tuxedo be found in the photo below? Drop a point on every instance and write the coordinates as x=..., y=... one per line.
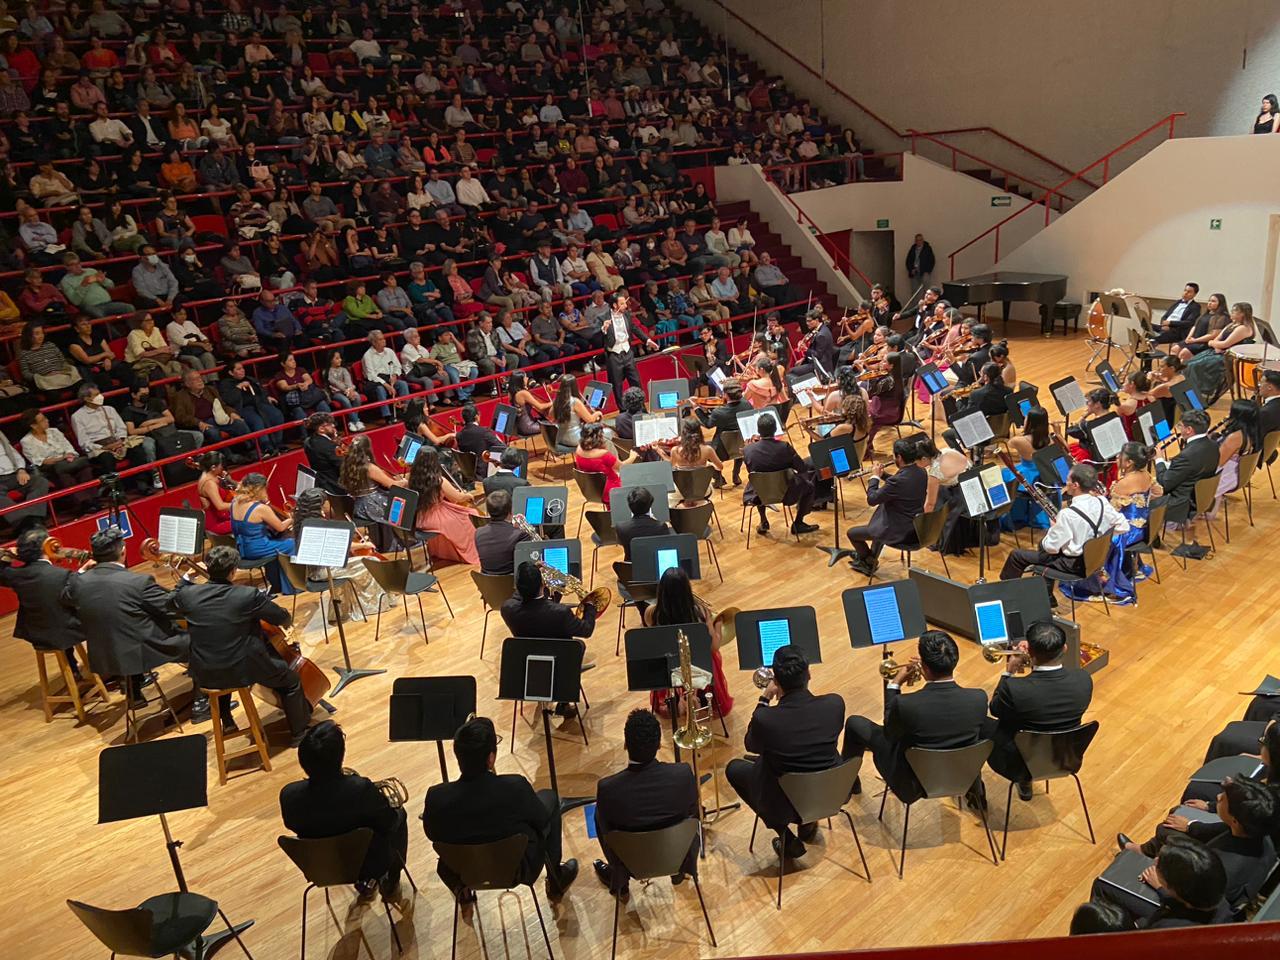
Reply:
x=42, y=620
x=898, y=500
x=321, y=447
x=1269, y=414
x=797, y=735
x=479, y=440
x=331, y=802
x=482, y=806
x=820, y=355
x=725, y=418
x=619, y=329
x=1197, y=460
x=496, y=540
x=504, y=478
x=125, y=615
x=530, y=613
x=940, y=716
x=967, y=372
x=1191, y=882
x=1178, y=320
x=642, y=522
x=988, y=399
x=228, y=649
x=1051, y=697
x=770, y=454
x=922, y=315
x=647, y=795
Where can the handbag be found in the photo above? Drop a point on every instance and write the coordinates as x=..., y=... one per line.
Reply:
x=58, y=380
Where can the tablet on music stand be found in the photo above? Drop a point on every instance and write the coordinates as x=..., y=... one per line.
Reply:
x=181, y=531
x=323, y=543
x=1186, y=396
x=934, y=380
x=1021, y=603
x=1152, y=424
x=402, y=507
x=761, y=632
x=1054, y=464
x=883, y=613
x=835, y=456
x=504, y=420
x=1067, y=395
x=410, y=444
x=564, y=554
x=1020, y=402
x=597, y=395
x=540, y=505
x=667, y=394
x=1107, y=374
x=651, y=557
x=621, y=512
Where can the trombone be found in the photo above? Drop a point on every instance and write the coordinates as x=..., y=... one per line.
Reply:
x=694, y=732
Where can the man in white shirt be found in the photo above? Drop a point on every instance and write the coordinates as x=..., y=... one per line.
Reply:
x=619, y=359
x=470, y=192
x=107, y=129
x=104, y=437
x=367, y=49
x=30, y=483
x=383, y=372
x=546, y=276
x=458, y=117
x=1089, y=515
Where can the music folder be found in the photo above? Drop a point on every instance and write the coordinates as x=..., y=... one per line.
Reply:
x=973, y=429
x=1107, y=436
x=1270, y=687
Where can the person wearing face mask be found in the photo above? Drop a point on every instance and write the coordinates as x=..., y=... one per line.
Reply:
x=106, y=439
x=153, y=281
x=195, y=280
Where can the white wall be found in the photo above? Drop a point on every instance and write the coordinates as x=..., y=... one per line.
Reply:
x=1072, y=80
x=1149, y=230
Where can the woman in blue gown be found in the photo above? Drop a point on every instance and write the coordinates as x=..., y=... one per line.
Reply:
x=258, y=531
x=1131, y=494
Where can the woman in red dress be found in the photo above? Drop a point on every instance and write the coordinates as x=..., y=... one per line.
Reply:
x=675, y=604
x=593, y=455
x=217, y=508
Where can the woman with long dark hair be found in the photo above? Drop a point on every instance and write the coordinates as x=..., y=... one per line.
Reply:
x=528, y=406
x=766, y=387
x=217, y=509
x=1033, y=438
x=676, y=604
x=570, y=413
x=443, y=509
x=1240, y=436
x=258, y=531
x=368, y=484
x=313, y=504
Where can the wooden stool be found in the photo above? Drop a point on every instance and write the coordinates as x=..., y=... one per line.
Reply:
x=258, y=740
x=78, y=691
x=133, y=720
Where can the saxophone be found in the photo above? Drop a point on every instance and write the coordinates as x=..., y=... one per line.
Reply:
x=559, y=582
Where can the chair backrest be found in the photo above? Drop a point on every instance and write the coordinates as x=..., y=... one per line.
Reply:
x=694, y=484
x=295, y=573
x=999, y=425
x=929, y=525
x=695, y=519
x=819, y=794
x=1156, y=510
x=341, y=506
x=1248, y=465
x=1056, y=754
x=622, y=447
x=485, y=866
x=649, y=854
x=466, y=461
x=590, y=484
x=329, y=861
x=126, y=932
x=1095, y=553
x=390, y=575
x=771, y=485
x=1269, y=445
x=948, y=773
x=1206, y=490
x=732, y=440
x=550, y=434
x=495, y=588
x=601, y=522
x=623, y=570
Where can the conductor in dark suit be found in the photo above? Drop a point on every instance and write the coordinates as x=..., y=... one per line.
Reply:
x=1181, y=316
x=647, y=795
x=770, y=454
x=331, y=802
x=898, y=500
x=321, y=447
x=1197, y=460
x=1051, y=697
x=619, y=329
x=126, y=616
x=228, y=650
x=42, y=620
x=1269, y=392
x=496, y=540
x=820, y=354
x=479, y=440
x=797, y=735
x=482, y=806
x=940, y=716
x=642, y=522
x=725, y=418
x=504, y=478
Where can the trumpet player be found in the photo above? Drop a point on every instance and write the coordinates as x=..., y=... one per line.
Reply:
x=940, y=716
x=1050, y=697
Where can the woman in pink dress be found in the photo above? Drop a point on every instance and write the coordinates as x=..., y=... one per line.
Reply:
x=593, y=455
x=443, y=509
x=765, y=387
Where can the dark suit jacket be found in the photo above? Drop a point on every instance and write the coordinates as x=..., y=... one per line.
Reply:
x=224, y=623
x=898, y=499
x=939, y=716
x=126, y=617
x=766, y=456
x=988, y=400
x=1269, y=416
x=322, y=456
x=1197, y=460
x=645, y=526
x=1188, y=319
x=634, y=330
x=479, y=440
x=967, y=372
x=506, y=480
x=1042, y=700
x=42, y=619
x=720, y=419
x=798, y=734
x=485, y=808
x=919, y=261
x=329, y=807
x=822, y=349
x=647, y=796
x=496, y=544
x=544, y=617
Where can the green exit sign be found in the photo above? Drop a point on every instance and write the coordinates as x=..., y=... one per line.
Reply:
x=882, y=224
x=1002, y=201
x=1215, y=224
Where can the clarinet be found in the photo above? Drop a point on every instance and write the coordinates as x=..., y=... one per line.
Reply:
x=1043, y=502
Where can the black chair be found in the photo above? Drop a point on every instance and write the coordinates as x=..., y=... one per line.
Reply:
x=1245, y=469
x=591, y=485
x=630, y=595
x=943, y=773
x=495, y=590
x=603, y=534
x=489, y=866
x=928, y=532
x=397, y=577
x=818, y=795
x=1095, y=558
x=696, y=520
x=551, y=454
x=160, y=926
x=651, y=854
x=1156, y=510
x=770, y=487
x=1270, y=443
x=466, y=461
x=1206, y=492
x=1052, y=756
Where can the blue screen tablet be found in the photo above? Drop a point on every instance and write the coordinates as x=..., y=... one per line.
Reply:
x=500, y=422
x=597, y=397
x=1108, y=376
x=1024, y=406
x=411, y=447
x=1063, y=466
x=395, y=511
x=666, y=560
x=557, y=557
x=883, y=615
x=1162, y=430
x=534, y=509
x=936, y=382
x=1193, y=398
x=773, y=634
x=839, y=461
x=991, y=624
x=668, y=400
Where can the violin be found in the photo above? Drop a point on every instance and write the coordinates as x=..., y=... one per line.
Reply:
x=707, y=401
x=225, y=481
x=343, y=445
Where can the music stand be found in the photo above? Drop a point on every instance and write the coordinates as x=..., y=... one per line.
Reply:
x=656, y=473
x=1053, y=463
x=1107, y=437
x=761, y=632
x=1152, y=425
x=542, y=506
x=1022, y=602
x=651, y=556
x=653, y=428
x=155, y=779
x=327, y=543
x=835, y=457
x=504, y=420
x=402, y=508
x=1117, y=308
x=180, y=531
x=551, y=552
x=1068, y=396
x=1107, y=376
x=878, y=615
x=986, y=497
x=410, y=444
x=1020, y=402
x=430, y=708
x=748, y=420
x=304, y=480
x=973, y=430
x=1186, y=396
x=668, y=394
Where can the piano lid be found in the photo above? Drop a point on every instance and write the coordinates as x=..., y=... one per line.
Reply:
x=1043, y=288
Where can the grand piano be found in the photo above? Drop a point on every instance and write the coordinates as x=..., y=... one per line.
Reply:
x=1046, y=289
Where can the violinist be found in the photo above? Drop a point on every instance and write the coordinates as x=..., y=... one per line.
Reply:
x=213, y=481
x=819, y=349
x=724, y=419
x=313, y=504
x=712, y=355
x=921, y=316
x=228, y=649
x=765, y=386
x=883, y=306
x=967, y=372
x=259, y=530
x=321, y=447
x=368, y=484
x=856, y=332
x=775, y=335
x=692, y=451
x=936, y=327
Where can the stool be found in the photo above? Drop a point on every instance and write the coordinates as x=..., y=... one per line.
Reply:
x=133, y=722
x=1068, y=311
x=258, y=740
x=78, y=691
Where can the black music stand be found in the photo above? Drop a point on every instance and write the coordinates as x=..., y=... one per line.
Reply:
x=836, y=457
x=936, y=385
x=668, y=394
x=154, y=779
x=430, y=708
x=983, y=502
x=526, y=661
x=878, y=615
x=1107, y=376
x=504, y=421
x=761, y=632
x=1068, y=396
x=543, y=506
x=650, y=556
x=180, y=531
x=1020, y=401
x=653, y=654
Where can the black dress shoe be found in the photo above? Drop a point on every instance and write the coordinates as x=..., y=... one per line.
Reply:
x=605, y=873
x=558, y=886
x=763, y=529
x=1024, y=791
x=799, y=528
x=795, y=848
x=807, y=832
x=677, y=879
x=861, y=566
x=1123, y=840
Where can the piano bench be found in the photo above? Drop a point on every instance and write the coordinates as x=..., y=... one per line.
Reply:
x=1068, y=311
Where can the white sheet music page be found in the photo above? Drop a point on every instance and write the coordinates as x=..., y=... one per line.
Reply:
x=178, y=535
x=323, y=546
x=659, y=428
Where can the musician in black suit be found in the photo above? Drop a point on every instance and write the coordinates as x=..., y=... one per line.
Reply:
x=321, y=447
x=712, y=354
x=477, y=439
x=925, y=308
x=228, y=650
x=530, y=613
x=967, y=372
x=1051, y=697
x=1181, y=316
x=496, y=540
x=647, y=795
x=942, y=715
x=482, y=806
x=798, y=735
x=1197, y=460
x=642, y=522
x=770, y=454
x=126, y=616
x=820, y=353
x=504, y=478
x=1269, y=415
x=989, y=398
x=725, y=418
x=898, y=500
x=331, y=802
x=1191, y=883
x=619, y=329
x=42, y=620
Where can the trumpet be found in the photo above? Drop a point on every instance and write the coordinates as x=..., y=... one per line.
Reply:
x=889, y=668
x=557, y=581
x=762, y=677
x=1003, y=653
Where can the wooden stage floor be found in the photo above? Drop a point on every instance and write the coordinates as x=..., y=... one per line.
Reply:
x=1177, y=662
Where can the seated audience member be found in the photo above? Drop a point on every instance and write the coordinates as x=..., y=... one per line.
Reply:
x=1191, y=883
x=1099, y=916
x=197, y=406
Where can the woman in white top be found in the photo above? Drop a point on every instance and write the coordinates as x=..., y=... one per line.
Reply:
x=743, y=243
x=719, y=244
x=146, y=351
x=341, y=389
x=316, y=120
x=188, y=341
x=515, y=340
x=46, y=447
x=417, y=198
x=217, y=129
x=311, y=85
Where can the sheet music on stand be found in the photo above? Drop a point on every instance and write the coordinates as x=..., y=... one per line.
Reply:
x=305, y=480
x=993, y=486
x=654, y=429
x=1108, y=437
x=180, y=532
x=975, y=497
x=973, y=430
x=1068, y=395
x=717, y=376
x=802, y=390
x=323, y=544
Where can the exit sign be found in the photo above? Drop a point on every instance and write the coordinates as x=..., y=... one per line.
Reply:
x=1215, y=224
x=882, y=224
x=1002, y=201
